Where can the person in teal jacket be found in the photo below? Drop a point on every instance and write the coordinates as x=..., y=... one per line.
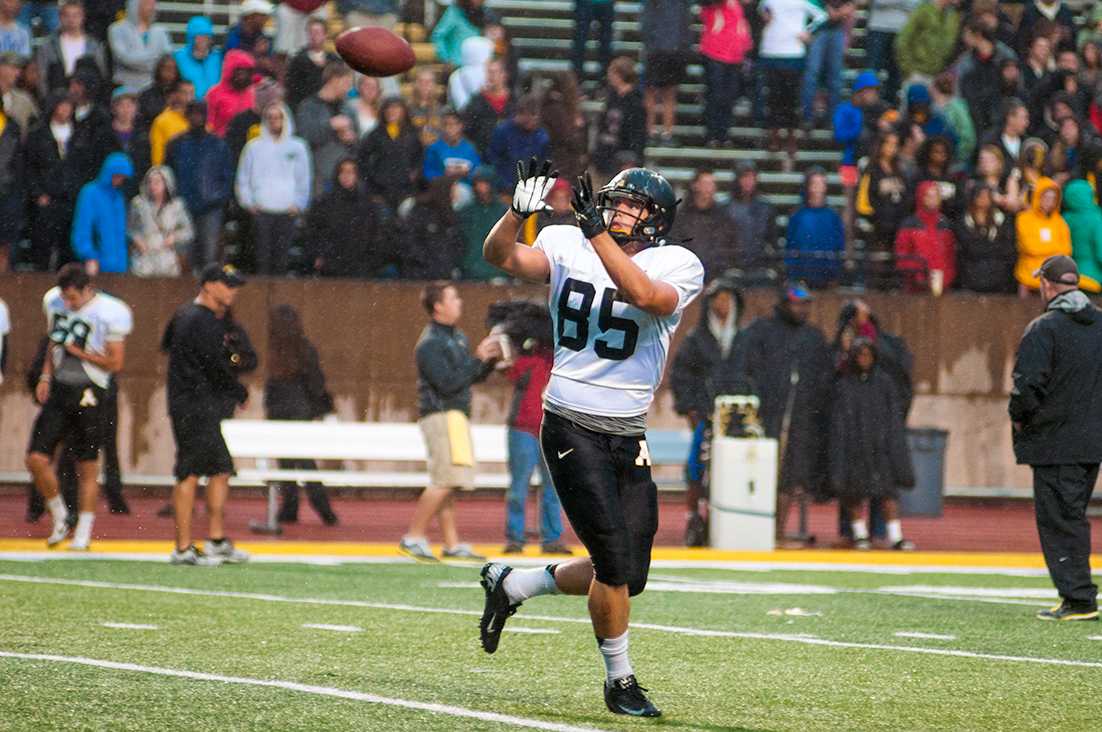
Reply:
x=462, y=19
x=199, y=61
x=1084, y=218
x=99, y=224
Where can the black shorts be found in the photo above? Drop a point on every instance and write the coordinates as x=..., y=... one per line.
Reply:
x=200, y=447
x=74, y=415
x=665, y=68
x=605, y=486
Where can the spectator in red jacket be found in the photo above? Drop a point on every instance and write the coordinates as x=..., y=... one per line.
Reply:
x=234, y=94
x=926, y=234
x=530, y=373
x=724, y=44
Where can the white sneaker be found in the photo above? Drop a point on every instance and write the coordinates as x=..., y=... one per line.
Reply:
x=418, y=549
x=60, y=532
x=225, y=551
x=193, y=557
x=462, y=551
x=78, y=546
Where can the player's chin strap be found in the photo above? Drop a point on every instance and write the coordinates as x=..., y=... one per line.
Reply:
x=624, y=239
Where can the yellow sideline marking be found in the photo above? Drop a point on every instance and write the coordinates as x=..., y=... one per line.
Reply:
x=1018, y=560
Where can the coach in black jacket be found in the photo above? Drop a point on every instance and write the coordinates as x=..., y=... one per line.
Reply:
x=1056, y=411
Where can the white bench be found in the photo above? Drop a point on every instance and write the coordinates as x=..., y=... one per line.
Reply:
x=266, y=441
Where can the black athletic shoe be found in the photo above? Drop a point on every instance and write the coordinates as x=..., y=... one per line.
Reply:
x=625, y=696
x=498, y=608
x=1066, y=611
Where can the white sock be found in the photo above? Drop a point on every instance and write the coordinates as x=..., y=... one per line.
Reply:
x=860, y=530
x=83, y=532
x=615, y=653
x=895, y=531
x=520, y=584
x=57, y=509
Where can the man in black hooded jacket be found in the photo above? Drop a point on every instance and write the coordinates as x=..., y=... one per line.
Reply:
x=708, y=348
x=787, y=362
x=1056, y=413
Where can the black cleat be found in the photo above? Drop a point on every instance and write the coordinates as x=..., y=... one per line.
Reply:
x=1065, y=611
x=498, y=608
x=625, y=696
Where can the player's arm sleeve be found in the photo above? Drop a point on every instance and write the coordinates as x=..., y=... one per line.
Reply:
x=545, y=244
x=685, y=274
x=121, y=324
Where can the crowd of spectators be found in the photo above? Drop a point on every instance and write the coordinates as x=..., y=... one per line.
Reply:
x=962, y=157
x=129, y=154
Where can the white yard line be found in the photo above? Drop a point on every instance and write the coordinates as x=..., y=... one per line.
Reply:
x=925, y=592
x=334, y=628
x=447, y=709
x=533, y=631
x=700, y=632
x=924, y=636
x=130, y=626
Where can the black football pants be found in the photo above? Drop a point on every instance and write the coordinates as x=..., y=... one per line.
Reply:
x=1060, y=495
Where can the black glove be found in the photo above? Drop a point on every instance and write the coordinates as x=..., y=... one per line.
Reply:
x=585, y=208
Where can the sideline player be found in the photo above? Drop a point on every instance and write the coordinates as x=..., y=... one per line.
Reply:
x=616, y=297
x=87, y=331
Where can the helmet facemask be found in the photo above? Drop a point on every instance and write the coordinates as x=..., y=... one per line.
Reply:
x=644, y=225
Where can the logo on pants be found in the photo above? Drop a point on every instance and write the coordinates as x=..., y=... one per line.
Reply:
x=643, y=458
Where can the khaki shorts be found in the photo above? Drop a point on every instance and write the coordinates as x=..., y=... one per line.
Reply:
x=450, y=450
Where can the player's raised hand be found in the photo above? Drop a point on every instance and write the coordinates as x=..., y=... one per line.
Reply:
x=586, y=213
x=534, y=182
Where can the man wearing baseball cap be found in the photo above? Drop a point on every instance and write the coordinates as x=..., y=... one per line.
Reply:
x=207, y=351
x=1056, y=413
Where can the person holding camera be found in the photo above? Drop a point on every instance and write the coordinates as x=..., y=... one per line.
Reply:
x=526, y=329
x=446, y=369
x=206, y=351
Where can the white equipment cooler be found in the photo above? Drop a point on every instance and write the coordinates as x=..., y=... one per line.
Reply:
x=743, y=493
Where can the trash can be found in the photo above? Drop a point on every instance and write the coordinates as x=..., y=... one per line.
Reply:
x=928, y=455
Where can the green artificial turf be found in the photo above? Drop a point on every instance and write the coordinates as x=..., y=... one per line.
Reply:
x=769, y=681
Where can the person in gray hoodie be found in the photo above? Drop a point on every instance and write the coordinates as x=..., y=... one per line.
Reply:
x=273, y=185
x=159, y=227
x=137, y=43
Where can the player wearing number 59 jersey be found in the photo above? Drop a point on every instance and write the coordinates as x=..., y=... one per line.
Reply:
x=87, y=330
x=617, y=295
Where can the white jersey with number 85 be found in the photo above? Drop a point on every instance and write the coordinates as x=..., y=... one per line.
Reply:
x=609, y=355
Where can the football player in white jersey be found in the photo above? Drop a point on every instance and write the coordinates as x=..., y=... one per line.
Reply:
x=87, y=331
x=617, y=295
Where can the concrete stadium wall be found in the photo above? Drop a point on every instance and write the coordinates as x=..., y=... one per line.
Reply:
x=365, y=332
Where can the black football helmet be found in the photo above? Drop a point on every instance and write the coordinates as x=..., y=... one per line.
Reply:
x=645, y=187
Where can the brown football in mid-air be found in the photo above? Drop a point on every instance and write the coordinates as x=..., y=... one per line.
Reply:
x=375, y=51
